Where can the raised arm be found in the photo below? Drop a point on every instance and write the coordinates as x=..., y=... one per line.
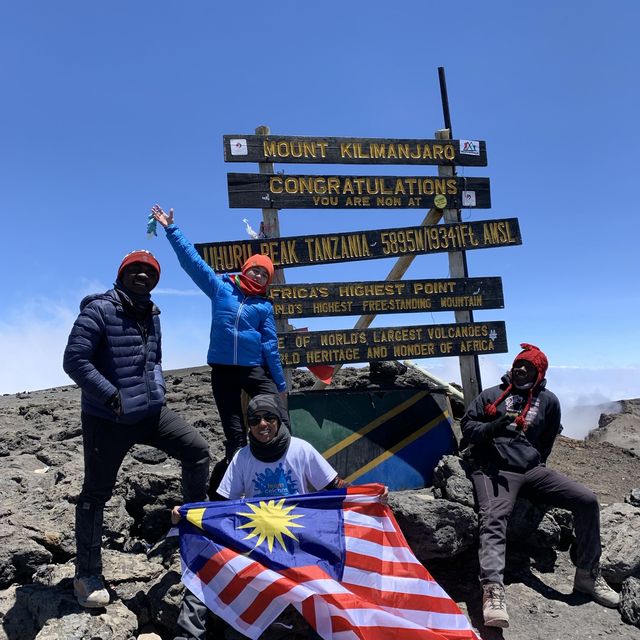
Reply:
x=197, y=269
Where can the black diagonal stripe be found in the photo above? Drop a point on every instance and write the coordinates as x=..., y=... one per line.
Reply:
x=384, y=437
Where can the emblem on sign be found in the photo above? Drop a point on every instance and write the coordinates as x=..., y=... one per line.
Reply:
x=468, y=198
x=440, y=202
x=238, y=147
x=470, y=147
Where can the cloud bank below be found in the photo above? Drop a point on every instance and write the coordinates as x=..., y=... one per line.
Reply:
x=34, y=335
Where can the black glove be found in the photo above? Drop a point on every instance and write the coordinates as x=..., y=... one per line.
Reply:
x=495, y=427
x=114, y=403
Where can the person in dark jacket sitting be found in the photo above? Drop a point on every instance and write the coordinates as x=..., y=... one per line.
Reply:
x=508, y=432
x=243, y=346
x=114, y=356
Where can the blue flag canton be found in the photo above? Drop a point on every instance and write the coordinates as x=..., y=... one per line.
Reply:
x=279, y=533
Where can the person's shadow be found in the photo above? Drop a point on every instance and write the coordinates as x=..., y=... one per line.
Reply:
x=544, y=562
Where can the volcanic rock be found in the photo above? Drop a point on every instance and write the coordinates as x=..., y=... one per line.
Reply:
x=41, y=474
x=621, y=428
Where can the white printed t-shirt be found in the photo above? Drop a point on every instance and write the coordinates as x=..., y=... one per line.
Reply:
x=300, y=470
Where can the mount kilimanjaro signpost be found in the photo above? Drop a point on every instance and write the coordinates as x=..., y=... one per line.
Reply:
x=442, y=193
x=316, y=150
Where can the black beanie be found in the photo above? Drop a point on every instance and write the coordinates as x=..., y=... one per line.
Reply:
x=266, y=403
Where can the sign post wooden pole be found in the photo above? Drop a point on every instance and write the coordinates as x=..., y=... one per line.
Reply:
x=468, y=365
x=272, y=230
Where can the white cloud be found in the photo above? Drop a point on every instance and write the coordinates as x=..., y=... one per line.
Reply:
x=587, y=392
x=33, y=337
x=32, y=342
x=584, y=392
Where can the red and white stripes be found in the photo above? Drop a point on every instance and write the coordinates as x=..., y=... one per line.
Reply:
x=384, y=593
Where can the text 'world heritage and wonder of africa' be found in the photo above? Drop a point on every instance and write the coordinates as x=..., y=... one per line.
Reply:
x=300, y=349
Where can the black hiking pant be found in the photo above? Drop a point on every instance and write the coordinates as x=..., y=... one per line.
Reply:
x=496, y=493
x=227, y=383
x=105, y=445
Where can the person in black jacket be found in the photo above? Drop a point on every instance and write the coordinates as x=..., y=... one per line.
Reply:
x=114, y=355
x=508, y=432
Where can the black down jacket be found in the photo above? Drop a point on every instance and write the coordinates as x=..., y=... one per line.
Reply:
x=110, y=351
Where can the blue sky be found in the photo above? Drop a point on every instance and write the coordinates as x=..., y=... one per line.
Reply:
x=110, y=107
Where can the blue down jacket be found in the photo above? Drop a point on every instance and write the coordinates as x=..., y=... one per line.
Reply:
x=243, y=329
x=108, y=351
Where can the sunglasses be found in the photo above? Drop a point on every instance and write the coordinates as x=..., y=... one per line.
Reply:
x=256, y=420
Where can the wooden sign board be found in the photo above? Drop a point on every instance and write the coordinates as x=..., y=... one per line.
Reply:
x=384, y=296
x=329, y=248
x=320, y=150
x=278, y=191
x=298, y=349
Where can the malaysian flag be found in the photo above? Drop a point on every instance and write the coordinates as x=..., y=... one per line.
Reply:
x=337, y=556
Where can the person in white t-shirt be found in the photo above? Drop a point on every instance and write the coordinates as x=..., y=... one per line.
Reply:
x=273, y=464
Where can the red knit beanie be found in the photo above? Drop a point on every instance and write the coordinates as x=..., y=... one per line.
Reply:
x=538, y=359
x=532, y=354
x=259, y=260
x=139, y=255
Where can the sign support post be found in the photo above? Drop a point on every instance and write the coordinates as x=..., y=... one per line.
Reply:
x=469, y=369
x=272, y=230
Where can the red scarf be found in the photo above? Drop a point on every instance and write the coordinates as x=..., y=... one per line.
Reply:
x=250, y=287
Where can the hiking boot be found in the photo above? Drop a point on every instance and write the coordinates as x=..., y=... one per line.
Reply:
x=592, y=583
x=494, y=607
x=90, y=591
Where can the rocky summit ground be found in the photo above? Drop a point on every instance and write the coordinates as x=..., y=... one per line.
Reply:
x=41, y=472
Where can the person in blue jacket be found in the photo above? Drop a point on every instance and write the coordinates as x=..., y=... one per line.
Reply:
x=243, y=344
x=114, y=355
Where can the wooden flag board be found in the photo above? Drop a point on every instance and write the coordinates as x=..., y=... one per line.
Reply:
x=321, y=150
x=279, y=191
x=384, y=296
x=303, y=349
x=328, y=248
